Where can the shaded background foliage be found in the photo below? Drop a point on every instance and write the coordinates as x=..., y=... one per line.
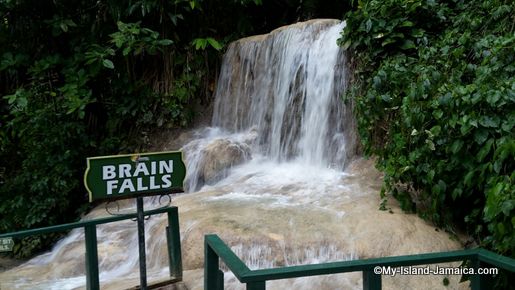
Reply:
x=433, y=89
x=435, y=101
x=85, y=78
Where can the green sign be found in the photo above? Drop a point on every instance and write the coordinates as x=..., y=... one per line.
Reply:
x=6, y=244
x=131, y=175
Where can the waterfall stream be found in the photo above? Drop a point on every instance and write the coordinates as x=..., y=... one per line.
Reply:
x=287, y=85
x=276, y=177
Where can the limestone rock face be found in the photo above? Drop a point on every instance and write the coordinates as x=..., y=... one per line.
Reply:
x=221, y=155
x=209, y=159
x=287, y=85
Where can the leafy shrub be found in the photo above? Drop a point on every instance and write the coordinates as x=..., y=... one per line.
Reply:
x=434, y=93
x=82, y=78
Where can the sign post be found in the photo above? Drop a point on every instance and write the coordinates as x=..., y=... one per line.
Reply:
x=135, y=175
x=141, y=244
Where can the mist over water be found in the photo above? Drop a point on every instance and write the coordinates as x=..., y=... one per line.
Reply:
x=276, y=177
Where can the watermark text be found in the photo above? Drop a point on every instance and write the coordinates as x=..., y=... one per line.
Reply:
x=435, y=270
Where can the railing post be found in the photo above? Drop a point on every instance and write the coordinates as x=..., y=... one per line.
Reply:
x=261, y=285
x=173, y=240
x=220, y=280
x=480, y=282
x=92, y=281
x=371, y=281
x=211, y=269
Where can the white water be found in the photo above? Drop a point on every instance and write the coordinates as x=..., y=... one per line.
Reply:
x=270, y=179
x=288, y=85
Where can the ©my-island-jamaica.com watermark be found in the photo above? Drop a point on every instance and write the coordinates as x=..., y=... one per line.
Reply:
x=436, y=270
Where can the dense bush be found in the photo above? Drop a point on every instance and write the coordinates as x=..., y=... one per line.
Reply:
x=85, y=78
x=434, y=93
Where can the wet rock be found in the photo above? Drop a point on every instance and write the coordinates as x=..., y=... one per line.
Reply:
x=209, y=158
x=221, y=155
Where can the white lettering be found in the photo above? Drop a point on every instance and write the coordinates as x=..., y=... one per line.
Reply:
x=165, y=168
x=153, y=183
x=166, y=181
x=141, y=167
x=140, y=184
x=124, y=170
x=111, y=184
x=108, y=172
x=127, y=184
x=153, y=168
x=139, y=176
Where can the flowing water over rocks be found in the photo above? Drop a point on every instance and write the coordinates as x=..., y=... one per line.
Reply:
x=277, y=179
x=287, y=85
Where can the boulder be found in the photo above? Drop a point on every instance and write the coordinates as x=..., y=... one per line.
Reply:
x=219, y=156
x=209, y=159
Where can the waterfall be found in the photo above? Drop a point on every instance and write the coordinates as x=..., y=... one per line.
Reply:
x=267, y=178
x=288, y=86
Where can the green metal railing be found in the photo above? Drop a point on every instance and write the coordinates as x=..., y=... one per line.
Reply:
x=92, y=279
x=215, y=248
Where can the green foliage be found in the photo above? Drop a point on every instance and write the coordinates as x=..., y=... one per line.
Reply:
x=47, y=165
x=86, y=78
x=81, y=78
x=132, y=38
x=434, y=94
x=201, y=43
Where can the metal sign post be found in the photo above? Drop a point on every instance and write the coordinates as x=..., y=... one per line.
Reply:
x=135, y=175
x=141, y=244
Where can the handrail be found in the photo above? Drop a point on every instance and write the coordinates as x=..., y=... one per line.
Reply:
x=215, y=248
x=81, y=224
x=92, y=274
x=231, y=260
x=496, y=260
x=357, y=265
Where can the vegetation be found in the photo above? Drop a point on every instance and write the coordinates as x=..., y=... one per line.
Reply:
x=85, y=78
x=82, y=79
x=434, y=92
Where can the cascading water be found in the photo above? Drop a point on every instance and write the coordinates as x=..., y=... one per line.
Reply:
x=267, y=178
x=288, y=85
